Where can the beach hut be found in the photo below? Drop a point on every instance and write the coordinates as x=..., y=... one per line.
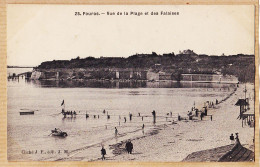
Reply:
x=248, y=118
x=243, y=106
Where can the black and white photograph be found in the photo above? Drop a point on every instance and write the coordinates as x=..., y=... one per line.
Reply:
x=141, y=83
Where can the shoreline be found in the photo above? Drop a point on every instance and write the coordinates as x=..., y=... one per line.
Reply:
x=174, y=142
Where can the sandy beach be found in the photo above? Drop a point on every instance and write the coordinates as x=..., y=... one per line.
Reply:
x=174, y=141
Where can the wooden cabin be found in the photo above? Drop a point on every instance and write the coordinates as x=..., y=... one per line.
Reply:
x=243, y=106
x=246, y=115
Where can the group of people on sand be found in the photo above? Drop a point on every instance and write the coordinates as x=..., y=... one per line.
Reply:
x=196, y=111
x=233, y=139
x=128, y=146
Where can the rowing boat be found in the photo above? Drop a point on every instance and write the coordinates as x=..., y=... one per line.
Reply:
x=27, y=113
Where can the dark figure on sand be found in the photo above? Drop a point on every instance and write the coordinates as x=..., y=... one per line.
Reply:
x=179, y=117
x=154, y=116
x=103, y=153
x=232, y=138
x=129, y=147
x=116, y=131
x=237, y=139
x=206, y=111
x=130, y=117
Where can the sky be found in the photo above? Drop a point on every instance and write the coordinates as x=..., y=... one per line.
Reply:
x=38, y=33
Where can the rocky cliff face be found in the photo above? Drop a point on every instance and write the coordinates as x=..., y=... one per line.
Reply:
x=127, y=74
x=36, y=75
x=171, y=66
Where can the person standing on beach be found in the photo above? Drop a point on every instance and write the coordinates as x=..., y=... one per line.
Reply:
x=179, y=117
x=154, y=116
x=116, y=131
x=231, y=138
x=143, y=129
x=237, y=139
x=125, y=119
x=130, y=116
x=211, y=117
x=103, y=153
x=129, y=147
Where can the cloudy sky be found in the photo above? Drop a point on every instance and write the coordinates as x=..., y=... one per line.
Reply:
x=37, y=33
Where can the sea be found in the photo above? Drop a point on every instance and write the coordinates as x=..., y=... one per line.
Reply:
x=29, y=136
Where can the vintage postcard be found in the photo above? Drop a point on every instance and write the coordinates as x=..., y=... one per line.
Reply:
x=139, y=83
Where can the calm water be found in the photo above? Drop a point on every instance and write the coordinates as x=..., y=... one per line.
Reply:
x=30, y=132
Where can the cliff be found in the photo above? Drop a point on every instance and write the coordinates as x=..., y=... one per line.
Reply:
x=139, y=66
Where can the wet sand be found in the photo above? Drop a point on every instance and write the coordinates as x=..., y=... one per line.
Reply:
x=173, y=142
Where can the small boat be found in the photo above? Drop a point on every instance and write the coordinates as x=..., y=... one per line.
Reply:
x=27, y=113
x=58, y=132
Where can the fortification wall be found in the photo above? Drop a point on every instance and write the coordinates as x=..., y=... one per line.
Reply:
x=209, y=78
